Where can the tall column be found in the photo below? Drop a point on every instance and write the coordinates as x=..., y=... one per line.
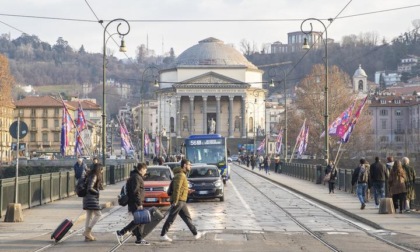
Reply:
x=218, y=121
x=231, y=126
x=178, y=115
x=191, y=114
x=243, y=133
x=204, y=114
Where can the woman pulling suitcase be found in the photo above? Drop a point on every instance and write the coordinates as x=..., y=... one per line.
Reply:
x=91, y=200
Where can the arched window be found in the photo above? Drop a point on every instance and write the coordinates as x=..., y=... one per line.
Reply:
x=185, y=123
x=360, y=85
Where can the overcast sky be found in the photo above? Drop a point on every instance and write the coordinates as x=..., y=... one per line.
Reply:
x=182, y=35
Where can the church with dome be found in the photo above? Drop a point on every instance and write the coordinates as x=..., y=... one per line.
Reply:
x=212, y=88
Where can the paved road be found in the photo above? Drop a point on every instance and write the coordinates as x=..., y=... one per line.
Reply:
x=246, y=221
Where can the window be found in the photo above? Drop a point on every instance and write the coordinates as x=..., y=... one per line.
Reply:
x=45, y=123
x=398, y=138
x=397, y=101
x=33, y=136
x=398, y=112
x=33, y=123
x=384, y=139
x=399, y=125
x=44, y=137
x=56, y=123
x=383, y=124
x=45, y=112
x=56, y=112
x=383, y=102
x=33, y=112
x=383, y=112
x=56, y=137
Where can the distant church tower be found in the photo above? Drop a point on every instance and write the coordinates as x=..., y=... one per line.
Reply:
x=360, y=84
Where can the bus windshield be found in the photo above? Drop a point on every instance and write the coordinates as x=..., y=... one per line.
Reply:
x=213, y=154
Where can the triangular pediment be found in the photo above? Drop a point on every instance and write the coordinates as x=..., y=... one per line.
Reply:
x=212, y=78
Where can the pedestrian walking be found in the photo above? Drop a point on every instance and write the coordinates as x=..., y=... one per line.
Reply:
x=179, y=201
x=411, y=179
x=378, y=176
x=79, y=168
x=135, y=192
x=247, y=161
x=332, y=171
x=91, y=200
x=277, y=164
x=253, y=161
x=389, y=164
x=397, y=180
x=361, y=177
x=260, y=162
x=267, y=163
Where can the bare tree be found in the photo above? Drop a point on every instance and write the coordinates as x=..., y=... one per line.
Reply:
x=247, y=48
x=6, y=82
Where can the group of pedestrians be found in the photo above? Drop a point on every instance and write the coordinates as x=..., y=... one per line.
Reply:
x=136, y=193
x=395, y=179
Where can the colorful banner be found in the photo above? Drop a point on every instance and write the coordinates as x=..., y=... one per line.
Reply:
x=340, y=124
x=81, y=124
x=66, y=127
x=262, y=146
x=346, y=136
x=146, y=144
x=279, y=142
x=125, y=139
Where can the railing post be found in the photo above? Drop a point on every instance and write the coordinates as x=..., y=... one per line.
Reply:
x=51, y=187
x=68, y=184
x=112, y=174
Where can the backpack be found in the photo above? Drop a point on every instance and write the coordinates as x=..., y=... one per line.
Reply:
x=363, y=175
x=170, y=188
x=81, y=187
x=123, y=196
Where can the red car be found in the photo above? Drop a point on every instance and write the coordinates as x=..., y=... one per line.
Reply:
x=156, y=185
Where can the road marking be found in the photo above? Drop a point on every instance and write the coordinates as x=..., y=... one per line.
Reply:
x=247, y=207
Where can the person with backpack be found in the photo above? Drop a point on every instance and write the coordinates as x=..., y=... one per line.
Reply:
x=91, y=200
x=135, y=192
x=396, y=181
x=361, y=177
x=411, y=179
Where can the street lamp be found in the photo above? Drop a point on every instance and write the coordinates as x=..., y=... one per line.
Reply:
x=156, y=84
x=307, y=47
x=285, y=111
x=122, y=49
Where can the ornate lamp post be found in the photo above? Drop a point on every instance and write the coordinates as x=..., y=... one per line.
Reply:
x=122, y=49
x=285, y=111
x=307, y=47
x=156, y=84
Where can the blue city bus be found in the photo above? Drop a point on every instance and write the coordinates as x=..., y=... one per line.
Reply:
x=208, y=149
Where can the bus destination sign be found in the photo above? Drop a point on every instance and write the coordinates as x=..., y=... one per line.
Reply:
x=198, y=142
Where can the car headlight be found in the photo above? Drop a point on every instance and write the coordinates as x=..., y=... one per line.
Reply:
x=218, y=183
x=165, y=188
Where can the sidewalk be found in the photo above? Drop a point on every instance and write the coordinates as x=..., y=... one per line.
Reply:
x=40, y=221
x=349, y=204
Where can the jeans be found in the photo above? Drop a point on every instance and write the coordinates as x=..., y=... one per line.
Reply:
x=378, y=190
x=137, y=229
x=361, y=192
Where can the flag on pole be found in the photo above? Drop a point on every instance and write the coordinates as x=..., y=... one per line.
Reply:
x=279, y=142
x=81, y=124
x=125, y=138
x=261, y=147
x=66, y=127
x=338, y=127
x=304, y=141
x=346, y=136
x=146, y=144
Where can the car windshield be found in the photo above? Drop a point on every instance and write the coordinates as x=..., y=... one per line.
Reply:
x=202, y=172
x=158, y=174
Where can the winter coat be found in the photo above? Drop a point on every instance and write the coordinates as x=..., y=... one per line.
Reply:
x=91, y=200
x=79, y=169
x=333, y=175
x=411, y=179
x=180, y=186
x=397, y=183
x=378, y=172
x=135, y=191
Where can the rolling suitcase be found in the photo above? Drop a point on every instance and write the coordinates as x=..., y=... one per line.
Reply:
x=63, y=228
x=156, y=217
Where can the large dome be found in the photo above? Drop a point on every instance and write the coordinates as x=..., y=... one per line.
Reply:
x=212, y=51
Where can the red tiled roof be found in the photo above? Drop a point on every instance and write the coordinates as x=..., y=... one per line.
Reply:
x=41, y=101
x=86, y=105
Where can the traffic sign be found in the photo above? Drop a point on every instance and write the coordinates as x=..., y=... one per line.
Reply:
x=23, y=129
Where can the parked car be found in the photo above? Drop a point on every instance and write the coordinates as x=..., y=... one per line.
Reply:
x=206, y=182
x=172, y=165
x=156, y=184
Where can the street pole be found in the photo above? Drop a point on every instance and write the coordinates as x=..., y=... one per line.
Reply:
x=122, y=49
x=306, y=46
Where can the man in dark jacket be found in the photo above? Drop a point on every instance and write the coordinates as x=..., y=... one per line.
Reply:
x=135, y=192
x=179, y=201
x=361, y=177
x=79, y=169
x=378, y=176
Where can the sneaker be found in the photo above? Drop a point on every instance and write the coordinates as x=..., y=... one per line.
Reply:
x=142, y=242
x=120, y=236
x=363, y=206
x=377, y=206
x=165, y=238
x=198, y=235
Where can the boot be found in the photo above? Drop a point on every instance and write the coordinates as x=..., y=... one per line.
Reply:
x=88, y=235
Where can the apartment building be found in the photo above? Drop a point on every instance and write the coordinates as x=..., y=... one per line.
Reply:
x=6, y=119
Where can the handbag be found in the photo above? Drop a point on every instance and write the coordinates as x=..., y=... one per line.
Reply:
x=142, y=217
x=327, y=177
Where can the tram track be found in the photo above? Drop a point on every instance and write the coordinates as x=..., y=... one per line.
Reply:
x=315, y=234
